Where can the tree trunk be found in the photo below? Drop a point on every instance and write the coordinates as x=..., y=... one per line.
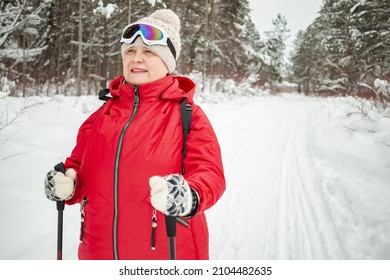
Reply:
x=104, y=64
x=80, y=51
x=24, y=75
x=205, y=47
x=59, y=48
x=129, y=14
x=212, y=15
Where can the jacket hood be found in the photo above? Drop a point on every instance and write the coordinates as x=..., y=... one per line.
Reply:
x=169, y=87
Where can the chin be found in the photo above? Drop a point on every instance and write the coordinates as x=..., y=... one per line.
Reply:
x=137, y=81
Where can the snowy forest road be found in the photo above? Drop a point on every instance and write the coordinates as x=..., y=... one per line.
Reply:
x=306, y=179
x=273, y=207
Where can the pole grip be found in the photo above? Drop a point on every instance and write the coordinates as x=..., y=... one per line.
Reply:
x=170, y=222
x=60, y=167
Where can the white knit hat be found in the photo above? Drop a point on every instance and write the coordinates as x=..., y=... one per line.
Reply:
x=170, y=22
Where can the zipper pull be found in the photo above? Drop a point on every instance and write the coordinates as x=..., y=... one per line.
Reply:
x=83, y=202
x=154, y=225
x=136, y=96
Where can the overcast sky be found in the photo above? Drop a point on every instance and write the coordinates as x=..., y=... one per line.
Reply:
x=299, y=13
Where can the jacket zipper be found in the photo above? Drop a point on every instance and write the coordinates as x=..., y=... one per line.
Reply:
x=116, y=170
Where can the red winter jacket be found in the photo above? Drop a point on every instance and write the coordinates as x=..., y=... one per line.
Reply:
x=119, y=147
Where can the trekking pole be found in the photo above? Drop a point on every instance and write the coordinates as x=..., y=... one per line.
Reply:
x=170, y=222
x=60, y=208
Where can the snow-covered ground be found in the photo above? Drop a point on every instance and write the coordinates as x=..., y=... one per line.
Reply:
x=307, y=178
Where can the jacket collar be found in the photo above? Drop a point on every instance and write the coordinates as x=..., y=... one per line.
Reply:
x=169, y=87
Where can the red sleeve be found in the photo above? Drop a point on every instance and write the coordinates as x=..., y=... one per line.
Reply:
x=74, y=160
x=203, y=163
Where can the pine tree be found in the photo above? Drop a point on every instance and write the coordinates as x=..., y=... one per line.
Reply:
x=340, y=44
x=20, y=40
x=372, y=22
x=308, y=58
x=275, y=47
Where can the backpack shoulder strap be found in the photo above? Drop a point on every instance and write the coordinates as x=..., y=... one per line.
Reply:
x=186, y=118
x=104, y=94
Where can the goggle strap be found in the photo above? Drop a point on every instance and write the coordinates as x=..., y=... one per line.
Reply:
x=169, y=43
x=171, y=47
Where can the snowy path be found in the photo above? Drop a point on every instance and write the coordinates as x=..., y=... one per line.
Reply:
x=275, y=201
x=299, y=184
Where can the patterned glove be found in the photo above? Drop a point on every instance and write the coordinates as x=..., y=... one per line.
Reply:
x=171, y=195
x=60, y=186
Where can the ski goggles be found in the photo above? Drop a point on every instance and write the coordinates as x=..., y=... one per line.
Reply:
x=150, y=34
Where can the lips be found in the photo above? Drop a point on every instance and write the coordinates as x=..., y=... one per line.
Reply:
x=138, y=70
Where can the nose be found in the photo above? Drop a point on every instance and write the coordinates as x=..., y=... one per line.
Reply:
x=137, y=55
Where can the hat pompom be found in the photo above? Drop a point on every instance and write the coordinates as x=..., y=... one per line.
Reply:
x=168, y=17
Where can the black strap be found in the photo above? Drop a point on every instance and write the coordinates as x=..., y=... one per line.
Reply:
x=172, y=48
x=103, y=94
x=60, y=167
x=186, y=118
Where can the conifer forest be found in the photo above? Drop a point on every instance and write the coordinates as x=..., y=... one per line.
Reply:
x=72, y=47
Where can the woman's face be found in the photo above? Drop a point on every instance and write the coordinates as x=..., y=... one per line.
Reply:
x=141, y=66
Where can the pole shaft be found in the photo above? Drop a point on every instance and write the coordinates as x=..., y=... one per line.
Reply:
x=172, y=248
x=59, y=234
x=170, y=222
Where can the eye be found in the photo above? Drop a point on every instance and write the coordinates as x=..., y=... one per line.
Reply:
x=130, y=50
x=149, y=52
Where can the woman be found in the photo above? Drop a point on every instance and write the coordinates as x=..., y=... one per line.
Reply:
x=126, y=167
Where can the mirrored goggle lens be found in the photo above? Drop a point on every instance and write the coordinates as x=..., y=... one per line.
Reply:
x=149, y=32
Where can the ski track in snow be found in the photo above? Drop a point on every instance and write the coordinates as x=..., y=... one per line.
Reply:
x=285, y=216
x=293, y=190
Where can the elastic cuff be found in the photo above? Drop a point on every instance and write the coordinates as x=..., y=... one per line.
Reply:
x=195, y=204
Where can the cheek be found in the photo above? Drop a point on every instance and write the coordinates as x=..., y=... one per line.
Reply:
x=162, y=69
x=126, y=66
x=158, y=73
x=124, y=63
x=126, y=60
